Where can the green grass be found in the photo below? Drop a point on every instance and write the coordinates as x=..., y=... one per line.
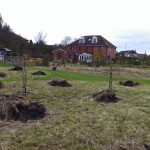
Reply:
x=74, y=121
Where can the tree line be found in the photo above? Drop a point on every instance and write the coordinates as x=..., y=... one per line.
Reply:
x=19, y=45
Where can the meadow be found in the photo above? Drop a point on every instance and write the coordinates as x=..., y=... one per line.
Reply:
x=73, y=120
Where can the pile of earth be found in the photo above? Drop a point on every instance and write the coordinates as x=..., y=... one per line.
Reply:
x=38, y=73
x=105, y=96
x=59, y=82
x=18, y=108
x=129, y=146
x=16, y=68
x=129, y=83
x=1, y=85
x=2, y=74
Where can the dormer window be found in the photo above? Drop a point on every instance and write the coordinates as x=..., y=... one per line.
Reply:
x=82, y=40
x=94, y=39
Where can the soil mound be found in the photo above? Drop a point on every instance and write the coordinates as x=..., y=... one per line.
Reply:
x=2, y=74
x=59, y=82
x=16, y=68
x=1, y=85
x=38, y=73
x=129, y=83
x=14, y=107
x=105, y=96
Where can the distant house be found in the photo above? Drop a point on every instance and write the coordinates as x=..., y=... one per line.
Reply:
x=3, y=53
x=94, y=45
x=65, y=55
x=131, y=53
x=128, y=53
x=87, y=49
x=141, y=56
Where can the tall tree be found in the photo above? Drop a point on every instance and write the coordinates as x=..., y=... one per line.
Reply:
x=40, y=45
x=40, y=38
x=1, y=21
x=67, y=40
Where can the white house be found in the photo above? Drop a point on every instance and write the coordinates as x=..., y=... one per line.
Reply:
x=3, y=53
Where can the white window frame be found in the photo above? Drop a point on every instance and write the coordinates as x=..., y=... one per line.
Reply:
x=94, y=39
x=82, y=40
x=110, y=49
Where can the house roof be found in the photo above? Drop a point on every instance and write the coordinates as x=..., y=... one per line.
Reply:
x=85, y=54
x=141, y=56
x=66, y=51
x=58, y=50
x=6, y=49
x=101, y=41
x=127, y=52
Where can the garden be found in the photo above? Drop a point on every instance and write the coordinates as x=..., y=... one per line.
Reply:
x=59, y=117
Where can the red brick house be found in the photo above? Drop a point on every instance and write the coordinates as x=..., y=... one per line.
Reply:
x=65, y=55
x=96, y=45
x=87, y=49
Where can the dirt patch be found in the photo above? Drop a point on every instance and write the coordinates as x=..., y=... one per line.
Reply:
x=59, y=82
x=38, y=73
x=2, y=74
x=1, y=85
x=16, y=68
x=129, y=83
x=14, y=107
x=129, y=146
x=105, y=96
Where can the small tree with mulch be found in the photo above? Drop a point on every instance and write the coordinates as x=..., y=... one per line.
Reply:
x=16, y=68
x=59, y=82
x=2, y=74
x=18, y=108
x=105, y=96
x=129, y=83
x=38, y=73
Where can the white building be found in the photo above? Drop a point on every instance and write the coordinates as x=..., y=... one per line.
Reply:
x=84, y=57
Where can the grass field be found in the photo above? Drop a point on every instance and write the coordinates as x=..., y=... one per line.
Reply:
x=74, y=122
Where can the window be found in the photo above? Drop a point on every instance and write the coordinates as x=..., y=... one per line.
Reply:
x=82, y=40
x=110, y=49
x=94, y=39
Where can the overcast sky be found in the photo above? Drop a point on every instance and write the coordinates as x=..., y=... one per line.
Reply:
x=125, y=23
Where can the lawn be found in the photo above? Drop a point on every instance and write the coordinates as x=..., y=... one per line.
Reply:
x=74, y=121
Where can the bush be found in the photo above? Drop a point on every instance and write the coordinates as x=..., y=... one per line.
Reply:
x=36, y=61
x=45, y=61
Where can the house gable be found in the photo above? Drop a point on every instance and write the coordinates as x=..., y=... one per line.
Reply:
x=96, y=45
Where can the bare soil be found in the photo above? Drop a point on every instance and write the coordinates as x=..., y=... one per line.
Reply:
x=59, y=82
x=105, y=96
x=129, y=83
x=16, y=68
x=38, y=73
x=2, y=74
x=18, y=108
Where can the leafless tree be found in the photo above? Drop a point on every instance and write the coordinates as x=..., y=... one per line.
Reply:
x=1, y=21
x=67, y=40
x=40, y=38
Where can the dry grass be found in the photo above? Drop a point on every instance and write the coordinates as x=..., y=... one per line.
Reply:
x=117, y=71
x=74, y=121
